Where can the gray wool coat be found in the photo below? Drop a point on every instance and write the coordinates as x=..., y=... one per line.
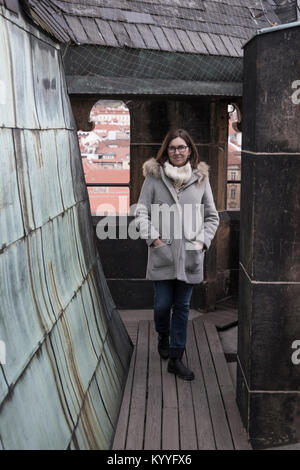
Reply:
x=183, y=220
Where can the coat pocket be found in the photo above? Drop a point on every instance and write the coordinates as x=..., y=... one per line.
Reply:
x=161, y=256
x=193, y=258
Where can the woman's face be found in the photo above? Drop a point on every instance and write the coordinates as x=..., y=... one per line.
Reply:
x=178, y=151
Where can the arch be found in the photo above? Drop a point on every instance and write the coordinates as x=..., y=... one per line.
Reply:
x=105, y=152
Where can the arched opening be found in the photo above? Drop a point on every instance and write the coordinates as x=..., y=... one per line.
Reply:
x=234, y=158
x=105, y=152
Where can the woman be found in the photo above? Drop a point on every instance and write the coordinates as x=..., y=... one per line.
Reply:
x=177, y=217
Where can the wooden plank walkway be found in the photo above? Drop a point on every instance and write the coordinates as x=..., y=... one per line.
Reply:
x=161, y=412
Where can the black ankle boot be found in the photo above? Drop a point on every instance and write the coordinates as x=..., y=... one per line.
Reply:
x=163, y=345
x=175, y=366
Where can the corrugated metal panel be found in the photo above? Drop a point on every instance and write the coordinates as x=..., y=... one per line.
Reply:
x=11, y=222
x=23, y=181
x=67, y=110
x=36, y=414
x=84, y=436
x=61, y=276
x=78, y=181
x=48, y=152
x=51, y=186
x=3, y=386
x=64, y=167
x=75, y=358
x=36, y=163
x=35, y=256
x=108, y=387
x=86, y=245
x=63, y=335
x=23, y=319
x=23, y=87
x=95, y=316
x=96, y=405
x=7, y=109
x=47, y=85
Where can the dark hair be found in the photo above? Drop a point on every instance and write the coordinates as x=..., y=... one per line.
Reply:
x=162, y=154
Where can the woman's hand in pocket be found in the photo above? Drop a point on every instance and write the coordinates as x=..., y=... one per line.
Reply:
x=158, y=242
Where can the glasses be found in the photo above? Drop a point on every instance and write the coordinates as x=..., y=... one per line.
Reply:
x=181, y=149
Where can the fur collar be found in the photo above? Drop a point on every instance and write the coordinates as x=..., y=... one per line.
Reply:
x=152, y=167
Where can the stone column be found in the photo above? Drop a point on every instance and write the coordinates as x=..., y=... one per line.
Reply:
x=268, y=388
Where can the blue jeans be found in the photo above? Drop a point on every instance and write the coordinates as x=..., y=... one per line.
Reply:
x=176, y=294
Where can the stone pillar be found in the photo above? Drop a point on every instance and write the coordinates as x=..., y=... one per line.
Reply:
x=217, y=263
x=268, y=388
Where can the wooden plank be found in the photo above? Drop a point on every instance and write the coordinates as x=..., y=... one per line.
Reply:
x=220, y=425
x=119, y=441
x=187, y=427
x=170, y=429
x=135, y=434
x=170, y=424
x=169, y=388
x=205, y=435
x=238, y=432
x=154, y=402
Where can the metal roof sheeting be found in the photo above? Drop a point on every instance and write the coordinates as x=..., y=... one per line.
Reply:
x=141, y=23
x=67, y=351
x=11, y=222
